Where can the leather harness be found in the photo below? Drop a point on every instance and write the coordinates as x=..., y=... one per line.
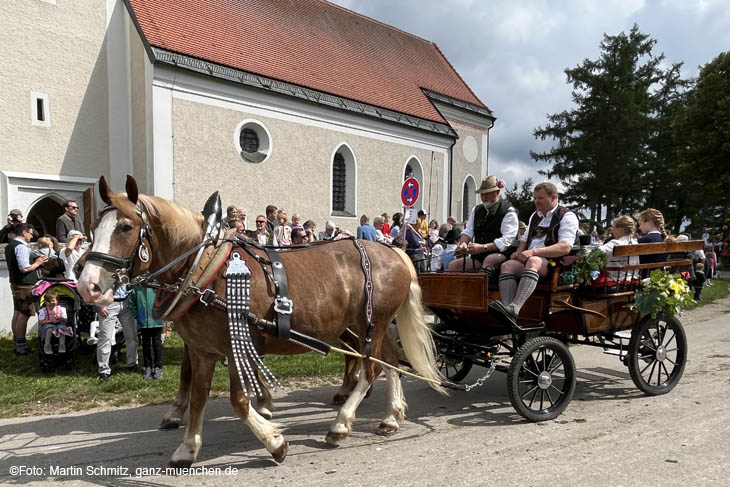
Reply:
x=212, y=254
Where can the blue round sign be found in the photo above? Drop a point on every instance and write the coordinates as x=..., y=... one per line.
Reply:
x=409, y=193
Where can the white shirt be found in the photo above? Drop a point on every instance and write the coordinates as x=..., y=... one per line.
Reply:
x=70, y=261
x=566, y=233
x=620, y=261
x=43, y=314
x=436, y=252
x=509, y=227
x=379, y=237
x=262, y=239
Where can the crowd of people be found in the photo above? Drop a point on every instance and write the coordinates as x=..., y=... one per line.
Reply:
x=51, y=259
x=493, y=240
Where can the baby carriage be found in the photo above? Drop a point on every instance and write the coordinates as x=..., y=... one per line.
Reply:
x=69, y=300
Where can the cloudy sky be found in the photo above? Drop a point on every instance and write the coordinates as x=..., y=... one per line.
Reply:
x=513, y=53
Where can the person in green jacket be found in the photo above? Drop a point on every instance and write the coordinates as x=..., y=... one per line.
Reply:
x=140, y=302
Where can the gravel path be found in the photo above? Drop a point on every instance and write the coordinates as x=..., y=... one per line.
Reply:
x=610, y=434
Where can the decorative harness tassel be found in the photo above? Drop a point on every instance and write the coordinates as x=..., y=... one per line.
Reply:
x=238, y=295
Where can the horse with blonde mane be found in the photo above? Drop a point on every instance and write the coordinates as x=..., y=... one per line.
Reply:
x=138, y=234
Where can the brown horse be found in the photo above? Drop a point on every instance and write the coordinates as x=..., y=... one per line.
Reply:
x=136, y=226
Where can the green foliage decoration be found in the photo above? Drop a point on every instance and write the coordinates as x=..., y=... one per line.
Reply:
x=663, y=292
x=589, y=265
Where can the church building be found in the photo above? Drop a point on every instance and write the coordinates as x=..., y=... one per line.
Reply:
x=301, y=104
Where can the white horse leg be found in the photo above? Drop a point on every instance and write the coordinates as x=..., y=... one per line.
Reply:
x=263, y=401
x=396, y=404
x=341, y=427
x=268, y=434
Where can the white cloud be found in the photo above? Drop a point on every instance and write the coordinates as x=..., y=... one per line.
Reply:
x=513, y=54
x=523, y=23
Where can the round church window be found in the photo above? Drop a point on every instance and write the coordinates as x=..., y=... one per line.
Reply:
x=252, y=141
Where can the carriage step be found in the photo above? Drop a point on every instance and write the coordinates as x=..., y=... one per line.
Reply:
x=611, y=372
x=613, y=351
x=623, y=334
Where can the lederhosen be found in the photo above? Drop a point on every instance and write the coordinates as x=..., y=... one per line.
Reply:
x=488, y=225
x=21, y=282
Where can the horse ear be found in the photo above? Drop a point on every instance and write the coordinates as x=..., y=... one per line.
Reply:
x=132, y=191
x=105, y=191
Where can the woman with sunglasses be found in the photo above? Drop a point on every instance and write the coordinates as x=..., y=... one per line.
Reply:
x=70, y=220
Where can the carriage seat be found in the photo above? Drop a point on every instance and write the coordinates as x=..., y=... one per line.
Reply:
x=627, y=281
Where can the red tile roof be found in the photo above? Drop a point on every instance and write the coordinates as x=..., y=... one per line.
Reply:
x=311, y=43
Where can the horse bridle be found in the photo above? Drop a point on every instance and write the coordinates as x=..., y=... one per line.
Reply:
x=124, y=265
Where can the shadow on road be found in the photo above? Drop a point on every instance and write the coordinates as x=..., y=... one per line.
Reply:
x=129, y=438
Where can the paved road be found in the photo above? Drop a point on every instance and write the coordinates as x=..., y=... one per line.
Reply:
x=610, y=435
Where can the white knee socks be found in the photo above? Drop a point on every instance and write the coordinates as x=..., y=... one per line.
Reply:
x=528, y=283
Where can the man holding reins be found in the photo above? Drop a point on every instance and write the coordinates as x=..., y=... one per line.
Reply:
x=490, y=231
x=551, y=233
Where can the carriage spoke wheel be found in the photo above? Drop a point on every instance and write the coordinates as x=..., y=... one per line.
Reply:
x=657, y=354
x=452, y=367
x=541, y=379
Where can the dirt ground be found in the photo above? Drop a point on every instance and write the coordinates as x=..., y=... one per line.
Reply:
x=610, y=434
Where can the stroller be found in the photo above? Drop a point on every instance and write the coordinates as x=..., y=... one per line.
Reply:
x=69, y=299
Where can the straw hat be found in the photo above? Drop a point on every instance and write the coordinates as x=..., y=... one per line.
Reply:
x=489, y=184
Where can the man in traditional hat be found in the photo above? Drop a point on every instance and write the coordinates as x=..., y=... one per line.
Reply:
x=551, y=234
x=491, y=229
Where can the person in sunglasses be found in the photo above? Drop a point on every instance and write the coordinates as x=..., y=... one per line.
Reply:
x=70, y=220
x=262, y=234
x=299, y=236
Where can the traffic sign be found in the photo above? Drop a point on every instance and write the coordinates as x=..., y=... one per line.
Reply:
x=410, y=191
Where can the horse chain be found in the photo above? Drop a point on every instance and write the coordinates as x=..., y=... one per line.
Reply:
x=480, y=381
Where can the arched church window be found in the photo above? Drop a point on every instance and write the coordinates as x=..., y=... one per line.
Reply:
x=344, y=182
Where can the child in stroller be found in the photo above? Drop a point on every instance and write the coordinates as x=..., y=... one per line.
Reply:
x=52, y=322
x=57, y=304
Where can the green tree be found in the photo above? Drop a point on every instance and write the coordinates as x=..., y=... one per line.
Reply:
x=664, y=187
x=521, y=199
x=703, y=129
x=602, y=143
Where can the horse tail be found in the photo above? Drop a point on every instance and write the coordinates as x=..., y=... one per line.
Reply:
x=415, y=334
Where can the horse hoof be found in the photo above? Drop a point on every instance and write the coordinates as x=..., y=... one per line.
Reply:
x=180, y=464
x=335, y=439
x=339, y=399
x=170, y=424
x=386, y=429
x=280, y=453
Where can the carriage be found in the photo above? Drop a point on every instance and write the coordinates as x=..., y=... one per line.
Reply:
x=535, y=355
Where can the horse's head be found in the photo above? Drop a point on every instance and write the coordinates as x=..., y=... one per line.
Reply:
x=122, y=244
